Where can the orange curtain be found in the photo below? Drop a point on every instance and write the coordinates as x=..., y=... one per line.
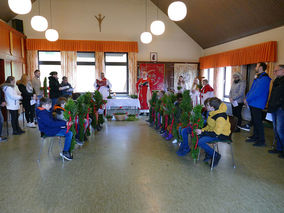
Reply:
x=132, y=65
x=265, y=52
x=100, y=64
x=69, y=65
x=32, y=62
x=82, y=45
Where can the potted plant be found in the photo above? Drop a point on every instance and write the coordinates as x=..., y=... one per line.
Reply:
x=120, y=116
x=132, y=117
x=134, y=96
x=109, y=117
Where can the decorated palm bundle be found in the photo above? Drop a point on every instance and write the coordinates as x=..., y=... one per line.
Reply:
x=70, y=114
x=99, y=102
x=196, y=122
x=87, y=101
x=152, y=107
x=82, y=110
x=45, y=87
x=186, y=107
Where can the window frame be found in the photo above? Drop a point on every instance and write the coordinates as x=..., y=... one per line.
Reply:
x=224, y=88
x=120, y=64
x=47, y=62
x=86, y=63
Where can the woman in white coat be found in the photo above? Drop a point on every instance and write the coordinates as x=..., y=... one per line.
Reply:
x=12, y=103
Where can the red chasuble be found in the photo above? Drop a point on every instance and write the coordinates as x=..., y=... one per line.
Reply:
x=142, y=87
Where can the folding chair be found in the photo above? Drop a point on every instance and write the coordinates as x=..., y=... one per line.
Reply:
x=44, y=138
x=233, y=121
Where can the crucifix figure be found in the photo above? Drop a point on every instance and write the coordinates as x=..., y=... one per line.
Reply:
x=100, y=20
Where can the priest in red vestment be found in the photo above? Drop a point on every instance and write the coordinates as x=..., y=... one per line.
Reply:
x=206, y=91
x=143, y=87
x=103, y=86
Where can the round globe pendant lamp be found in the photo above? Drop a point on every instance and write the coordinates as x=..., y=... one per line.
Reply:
x=177, y=11
x=39, y=23
x=20, y=6
x=146, y=37
x=51, y=35
x=157, y=27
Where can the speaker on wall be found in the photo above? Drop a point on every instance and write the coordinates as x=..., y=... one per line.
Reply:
x=18, y=25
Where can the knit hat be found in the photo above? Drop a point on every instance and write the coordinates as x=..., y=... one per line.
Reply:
x=238, y=74
x=53, y=73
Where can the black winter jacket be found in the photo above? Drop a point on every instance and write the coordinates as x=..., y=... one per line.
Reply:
x=277, y=95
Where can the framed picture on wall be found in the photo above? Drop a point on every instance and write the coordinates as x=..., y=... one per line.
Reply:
x=153, y=56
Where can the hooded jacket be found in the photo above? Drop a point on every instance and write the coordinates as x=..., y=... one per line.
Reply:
x=11, y=96
x=237, y=92
x=259, y=91
x=47, y=124
x=54, y=87
x=218, y=124
x=26, y=95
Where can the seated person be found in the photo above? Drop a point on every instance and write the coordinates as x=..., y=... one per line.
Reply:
x=184, y=147
x=53, y=127
x=218, y=128
x=67, y=88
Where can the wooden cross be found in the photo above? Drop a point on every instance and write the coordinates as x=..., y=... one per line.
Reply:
x=100, y=20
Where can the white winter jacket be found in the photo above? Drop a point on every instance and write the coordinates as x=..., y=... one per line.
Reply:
x=11, y=97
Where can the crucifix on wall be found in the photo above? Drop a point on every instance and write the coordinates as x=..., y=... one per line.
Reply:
x=100, y=20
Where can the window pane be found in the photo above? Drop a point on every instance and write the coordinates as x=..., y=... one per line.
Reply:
x=228, y=80
x=49, y=56
x=220, y=83
x=205, y=74
x=117, y=75
x=116, y=57
x=211, y=77
x=85, y=57
x=46, y=69
x=85, y=78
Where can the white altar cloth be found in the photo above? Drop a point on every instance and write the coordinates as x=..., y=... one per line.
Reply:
x=123, y=102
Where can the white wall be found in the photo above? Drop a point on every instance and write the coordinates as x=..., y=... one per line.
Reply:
x=124, y=21
x=276, y=34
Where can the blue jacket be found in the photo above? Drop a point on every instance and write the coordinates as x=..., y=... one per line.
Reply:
x=47, y=124
x=259, y=91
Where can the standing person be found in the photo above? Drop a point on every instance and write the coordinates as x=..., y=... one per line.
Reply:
x=181, y=85
x=103, y=86
x=237, y=96
x=2, y=104
x=256, y=99
x=276, y=108
x=12, y=103
x=36, y=85
x=194, y=93
x=29, y=99
x=55, y=88
x=67, y=92
x=143, y=87
x=206, y=91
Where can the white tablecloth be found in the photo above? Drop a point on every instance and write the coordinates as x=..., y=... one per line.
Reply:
x=123, y=102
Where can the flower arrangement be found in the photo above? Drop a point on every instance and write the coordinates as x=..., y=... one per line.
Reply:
x=133, y=96
x=109, y=117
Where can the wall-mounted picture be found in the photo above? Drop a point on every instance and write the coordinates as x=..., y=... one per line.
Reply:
x=153, y=56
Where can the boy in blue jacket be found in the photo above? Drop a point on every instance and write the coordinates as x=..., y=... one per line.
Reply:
x=52, y=127
x=256, y=99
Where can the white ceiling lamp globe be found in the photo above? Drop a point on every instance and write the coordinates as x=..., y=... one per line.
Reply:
x=146, y=37
x=51, y=35
x=157, y=27
x=20, y=6
x=177, y=11
x=39, y=23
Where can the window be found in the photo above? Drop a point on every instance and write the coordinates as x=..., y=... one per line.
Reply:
x=117, y=71
x=49, y=61
x=85, y=76
x=209, y=75
x=227, y=82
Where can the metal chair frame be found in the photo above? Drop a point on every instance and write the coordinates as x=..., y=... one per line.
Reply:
x=44, y=138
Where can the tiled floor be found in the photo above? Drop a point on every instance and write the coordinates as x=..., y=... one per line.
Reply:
x=129, y=167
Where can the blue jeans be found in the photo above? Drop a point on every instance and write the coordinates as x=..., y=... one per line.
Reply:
x=278, y=126
x=38, y=100
x=68, y=139
x=184, y=134
x=202, y=143
x=53, y=101
x=1, y=122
